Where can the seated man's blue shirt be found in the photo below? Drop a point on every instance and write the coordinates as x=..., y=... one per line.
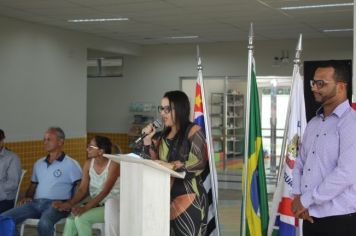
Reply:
x=56, y=181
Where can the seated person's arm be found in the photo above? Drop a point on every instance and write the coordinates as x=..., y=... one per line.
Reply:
x=13, y=173
x=80, y=193
x=30, y=193
x=114, y=172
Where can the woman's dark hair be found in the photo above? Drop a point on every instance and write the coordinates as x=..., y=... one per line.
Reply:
x=179, y=101
x=2, y=135
x=103, y=143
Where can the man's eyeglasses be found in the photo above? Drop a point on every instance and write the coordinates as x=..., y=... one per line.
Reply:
x=319, y=83
x=165, y=109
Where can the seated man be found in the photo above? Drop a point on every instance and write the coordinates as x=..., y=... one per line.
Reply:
x=10, y=174
x=53, y=179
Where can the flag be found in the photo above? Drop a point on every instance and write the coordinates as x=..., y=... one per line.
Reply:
x=256, y=194
x=209, y=174
x=282, y=221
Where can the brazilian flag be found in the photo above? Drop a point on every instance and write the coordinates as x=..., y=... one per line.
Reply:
x=256, y=196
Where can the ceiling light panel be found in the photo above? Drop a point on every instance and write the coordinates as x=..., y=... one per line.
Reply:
x=95, y=3
x=337, y=30
x=98, y=20
x=332, y=5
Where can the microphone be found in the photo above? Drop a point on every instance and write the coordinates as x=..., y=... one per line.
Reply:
x=157, y=124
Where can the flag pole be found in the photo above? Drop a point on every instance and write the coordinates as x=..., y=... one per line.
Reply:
x=209, y=144
x=247, y=127
x=297, y=62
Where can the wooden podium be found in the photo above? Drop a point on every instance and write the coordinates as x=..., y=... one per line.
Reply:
x=144, y=196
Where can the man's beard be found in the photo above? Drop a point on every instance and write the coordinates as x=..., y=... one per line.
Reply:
x=327, y=97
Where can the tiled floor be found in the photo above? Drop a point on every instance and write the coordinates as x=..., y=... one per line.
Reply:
x=229, y=217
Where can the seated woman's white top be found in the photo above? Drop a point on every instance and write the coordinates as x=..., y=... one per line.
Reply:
x=97, y=182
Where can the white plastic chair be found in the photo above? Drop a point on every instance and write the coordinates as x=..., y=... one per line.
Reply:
x=23, y=172
x=31, y=222
x=34, y=222
x=100, y=227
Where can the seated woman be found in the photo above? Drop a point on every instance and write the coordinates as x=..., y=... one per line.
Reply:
x=100, y=179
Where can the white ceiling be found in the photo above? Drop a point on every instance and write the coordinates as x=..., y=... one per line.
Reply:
x=153, y=21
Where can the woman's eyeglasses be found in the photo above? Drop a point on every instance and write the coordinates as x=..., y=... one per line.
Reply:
x=165, y=109
x=319, y=83
x=93, y=147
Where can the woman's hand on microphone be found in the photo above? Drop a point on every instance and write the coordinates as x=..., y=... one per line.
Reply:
x=150, y=130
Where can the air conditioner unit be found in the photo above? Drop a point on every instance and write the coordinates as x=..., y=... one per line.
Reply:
x=104, y=67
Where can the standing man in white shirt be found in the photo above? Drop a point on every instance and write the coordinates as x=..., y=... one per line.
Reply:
x=324, y=176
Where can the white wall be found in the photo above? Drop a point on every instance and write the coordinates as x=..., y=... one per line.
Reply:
x=158, y=68
x=43, y=78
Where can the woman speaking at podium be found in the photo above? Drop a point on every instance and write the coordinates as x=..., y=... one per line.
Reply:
x=181, y=146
